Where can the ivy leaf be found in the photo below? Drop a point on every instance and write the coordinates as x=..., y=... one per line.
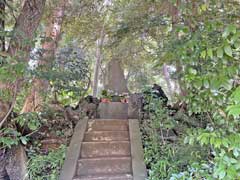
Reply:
x=222, y=174
x=225, y=33
x=206, y=83
x=228, y=50
x=215, y=84
x=203, y=54
x=235, y=152
x=234, y=110
x=236, y=95
x=220, y=52
x=186, y=140
x=210, y=53
x=23, y=140
x=203, y=7
x=192, y=71
x=232, y=28
x=237, y=45
x=228, y=30
x=227, y=84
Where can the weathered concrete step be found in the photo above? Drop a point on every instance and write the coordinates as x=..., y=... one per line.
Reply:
x=108, y=125
x=105, y=149
x=106, y=177
x=106, y=166
x=118, y=121
x=106, y=136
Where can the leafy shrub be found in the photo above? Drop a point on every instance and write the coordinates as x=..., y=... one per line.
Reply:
x=210, y=67
x=46, y=167
x=164, y=157
x=11, y=136
x=30, y=120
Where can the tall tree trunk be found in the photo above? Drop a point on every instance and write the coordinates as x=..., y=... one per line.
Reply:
x=99, y=45
x=34, y=100
x=2, y=24
x=26, y=24
x=25, y=27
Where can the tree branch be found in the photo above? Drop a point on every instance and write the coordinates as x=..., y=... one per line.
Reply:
x=12, y=104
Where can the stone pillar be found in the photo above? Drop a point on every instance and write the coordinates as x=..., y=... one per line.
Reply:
x=115, y=80
x=134, y=105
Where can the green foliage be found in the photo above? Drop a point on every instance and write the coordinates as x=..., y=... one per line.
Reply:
x=200, y=39
x=210, y=64
x=166, y=157
x=30, y=120
x=105, y=94
x=46, y=167
x=234, y=107
x=69, y=75
x=158, y=156
x=11, y=70
x=10, y=136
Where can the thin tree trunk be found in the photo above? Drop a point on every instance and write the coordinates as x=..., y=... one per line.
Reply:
x=167, y=79
x=98, y=60
x=34, y=100
x=175, y=12
x=179, y=69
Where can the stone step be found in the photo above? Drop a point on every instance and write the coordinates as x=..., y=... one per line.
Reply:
x=106, y=166
x=104, y=149
x=106, y=136
x=106, y=177
x=107, y=125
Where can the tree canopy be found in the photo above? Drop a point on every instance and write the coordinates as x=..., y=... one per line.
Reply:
x=59, y=50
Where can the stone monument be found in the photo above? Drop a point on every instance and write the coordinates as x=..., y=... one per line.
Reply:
x=115, y=80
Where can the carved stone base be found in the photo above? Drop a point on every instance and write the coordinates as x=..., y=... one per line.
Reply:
x=113, y=110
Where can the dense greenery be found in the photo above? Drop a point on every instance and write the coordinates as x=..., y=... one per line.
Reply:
x=46, y=167
x=191, y=48
x=165, y=152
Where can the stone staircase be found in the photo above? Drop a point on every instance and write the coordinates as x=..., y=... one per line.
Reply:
x=105, y=152
x=105, y=149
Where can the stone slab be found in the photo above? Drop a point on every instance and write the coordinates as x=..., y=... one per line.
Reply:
x=138, y=165
x=107, y=125
x=134, y=105
x=69, y=168
x=105, y=149
x=106, y=177
x=113, y=110
x=101, y=136
x=107, y=166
